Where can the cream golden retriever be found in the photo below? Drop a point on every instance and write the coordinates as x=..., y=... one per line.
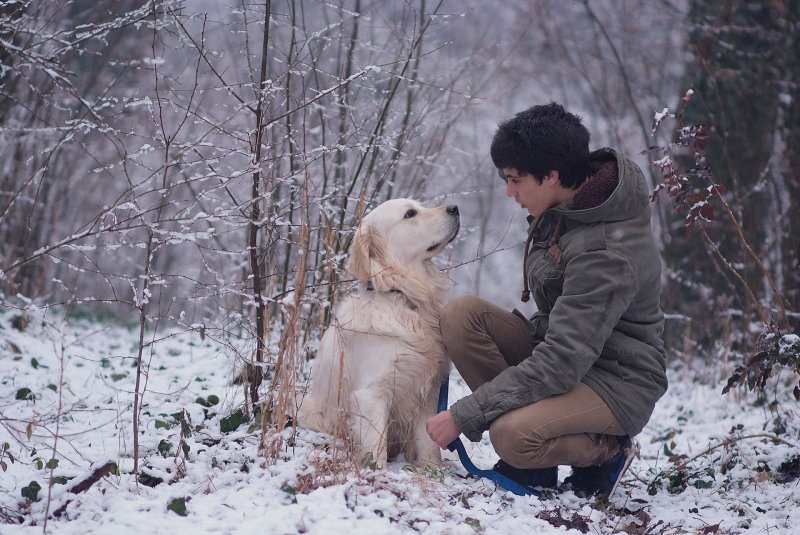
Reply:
x=377, y=373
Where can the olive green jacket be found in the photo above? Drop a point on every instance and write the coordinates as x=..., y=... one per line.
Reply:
x=599, y=320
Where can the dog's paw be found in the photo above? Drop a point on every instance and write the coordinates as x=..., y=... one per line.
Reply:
x=432, y=459
x=372, y=460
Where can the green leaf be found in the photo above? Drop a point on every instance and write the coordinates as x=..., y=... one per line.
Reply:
x=291, y=493
x=52, y=387
x=164, y=447
x=232, y=422
x=433, y=472
x=149, y=480
x=34, y=363
x=3, y=465
x=178, y=506
x=210, y=401
x=105, y=363
x=31, y=492
x=24, y=393
x=118, y=376
x=161, y=424
x=52, y=464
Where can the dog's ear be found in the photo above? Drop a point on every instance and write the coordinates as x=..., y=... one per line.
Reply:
x=367, y=253
x=358, y=257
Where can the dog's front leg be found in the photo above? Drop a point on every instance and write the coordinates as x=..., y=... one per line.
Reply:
x=425, y=450
x=428, y=451
x=370, y=424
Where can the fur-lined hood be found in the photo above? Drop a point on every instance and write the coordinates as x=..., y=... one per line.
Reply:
x=616, y=191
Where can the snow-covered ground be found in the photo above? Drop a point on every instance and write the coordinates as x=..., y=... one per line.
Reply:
x=76, y=381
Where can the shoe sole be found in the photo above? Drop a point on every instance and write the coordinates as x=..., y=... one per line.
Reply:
x=632, y=452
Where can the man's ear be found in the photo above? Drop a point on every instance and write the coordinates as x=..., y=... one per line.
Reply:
x=552, y=178
x=366, y=256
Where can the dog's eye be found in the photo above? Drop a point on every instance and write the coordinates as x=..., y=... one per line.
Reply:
x=411, y=213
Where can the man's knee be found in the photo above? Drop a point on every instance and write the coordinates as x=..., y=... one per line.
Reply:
x=517, y=449
x=460, y=315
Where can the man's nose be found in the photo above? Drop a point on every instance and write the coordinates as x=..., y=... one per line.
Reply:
x=509, y=189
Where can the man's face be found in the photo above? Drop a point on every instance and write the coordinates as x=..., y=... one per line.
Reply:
x=528, y=192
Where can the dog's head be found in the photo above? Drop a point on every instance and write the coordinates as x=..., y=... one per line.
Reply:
x=399, y=237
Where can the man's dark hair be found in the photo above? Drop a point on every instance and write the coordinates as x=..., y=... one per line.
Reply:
x=541, y=139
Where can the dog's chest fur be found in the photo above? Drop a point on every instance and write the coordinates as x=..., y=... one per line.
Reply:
x=412, y=351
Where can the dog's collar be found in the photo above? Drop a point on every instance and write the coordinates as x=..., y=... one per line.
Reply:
x=411, y=304
x=371, y=288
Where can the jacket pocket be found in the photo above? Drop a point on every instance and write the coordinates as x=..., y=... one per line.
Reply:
x=546, y=276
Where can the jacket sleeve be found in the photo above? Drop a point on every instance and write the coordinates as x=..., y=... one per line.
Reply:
x=598, y=288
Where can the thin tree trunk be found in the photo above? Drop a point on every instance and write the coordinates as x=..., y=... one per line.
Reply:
x=255, y=373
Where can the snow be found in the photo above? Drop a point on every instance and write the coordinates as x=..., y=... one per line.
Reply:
x=230, y=488
x=659, y=116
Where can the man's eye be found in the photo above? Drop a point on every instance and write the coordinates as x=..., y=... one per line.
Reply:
x=411, y=213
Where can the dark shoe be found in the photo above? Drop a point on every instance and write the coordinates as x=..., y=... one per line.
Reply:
x=543, y=478
x=603, y=479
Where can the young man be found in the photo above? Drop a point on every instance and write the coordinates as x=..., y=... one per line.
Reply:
x=574, y=383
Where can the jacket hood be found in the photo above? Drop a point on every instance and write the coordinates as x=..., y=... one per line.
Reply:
x=626, y=201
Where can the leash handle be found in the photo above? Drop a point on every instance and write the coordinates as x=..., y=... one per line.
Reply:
x=458, y=446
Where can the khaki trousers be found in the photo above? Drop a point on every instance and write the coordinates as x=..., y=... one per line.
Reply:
x=575, y=428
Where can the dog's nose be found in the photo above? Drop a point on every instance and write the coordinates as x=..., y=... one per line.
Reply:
x=452, y=209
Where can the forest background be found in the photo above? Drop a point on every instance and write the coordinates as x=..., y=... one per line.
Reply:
x=201, y=165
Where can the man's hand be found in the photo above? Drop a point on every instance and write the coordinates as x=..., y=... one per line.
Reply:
x=442, y=429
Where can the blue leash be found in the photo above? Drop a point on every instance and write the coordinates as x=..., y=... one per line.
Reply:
x=456, y=445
